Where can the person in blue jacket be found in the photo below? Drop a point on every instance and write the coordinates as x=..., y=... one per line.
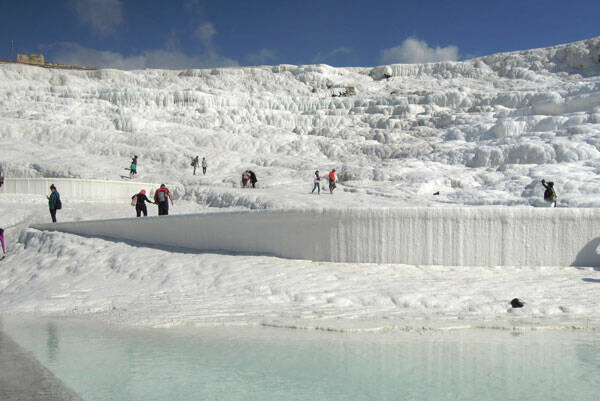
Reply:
x=54, y=202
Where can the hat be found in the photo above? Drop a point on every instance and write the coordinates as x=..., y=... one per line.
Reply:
x=52, y=186
x=162, y=185
x=143, y=192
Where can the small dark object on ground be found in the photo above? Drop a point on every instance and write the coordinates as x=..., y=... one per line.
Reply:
x=437, y=193
x=516, y=303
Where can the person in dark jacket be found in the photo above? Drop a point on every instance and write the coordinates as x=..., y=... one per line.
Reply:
x=54, y=202
x=195, y=163
x=317, y=184
x=253, y=178
x=549, y=193
x=161, y=198
x=140, y=203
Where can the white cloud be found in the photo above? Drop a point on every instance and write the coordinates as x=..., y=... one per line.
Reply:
x=103, y=15
x=413, y=51
x=323, y=57
x=205, y=33
x=264, y=56
x=75, y=54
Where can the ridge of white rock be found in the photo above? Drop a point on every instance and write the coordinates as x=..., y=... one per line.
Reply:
x=77, y=189
x=475, y=236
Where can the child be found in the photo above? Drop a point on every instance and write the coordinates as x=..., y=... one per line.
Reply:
x=549, y=194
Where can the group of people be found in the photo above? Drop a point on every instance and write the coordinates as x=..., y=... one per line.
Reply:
x=248, y=176
x=196, y=163
x=317, y=182
x=162, y=196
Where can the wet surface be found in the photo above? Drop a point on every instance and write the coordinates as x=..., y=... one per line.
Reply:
x=22, y=377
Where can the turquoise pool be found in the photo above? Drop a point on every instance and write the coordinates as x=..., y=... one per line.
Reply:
x=107, y=362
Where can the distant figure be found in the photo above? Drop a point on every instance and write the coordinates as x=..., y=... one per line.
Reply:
x=54, y=202
x=245, y=178
x=195, y=163
x=139, y=201
x=253, y=179
x=204, y=166
x=317, y=184
x=2, y=240
x=549, y=193
x=1, y=178
x=161, y=198
x=331, y=181
x=133, y=167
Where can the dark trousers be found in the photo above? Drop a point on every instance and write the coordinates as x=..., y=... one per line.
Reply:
x=141, y=209
x=204, y=170
x=53, y=215
x=163, y=208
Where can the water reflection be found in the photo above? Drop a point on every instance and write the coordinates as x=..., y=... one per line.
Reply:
x=51, y=341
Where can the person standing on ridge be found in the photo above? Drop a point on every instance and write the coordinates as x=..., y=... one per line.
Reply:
x=195, y=163
x=133, y=167
x=161, y=198
x=331, y=181
x=549, y=193
x=253, y=178
x=2, y=241
x=204, y=166
x=54, y=202
x=317, y=184
x=139, y=201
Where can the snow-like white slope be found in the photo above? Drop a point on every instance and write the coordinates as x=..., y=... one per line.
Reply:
x=482, y=131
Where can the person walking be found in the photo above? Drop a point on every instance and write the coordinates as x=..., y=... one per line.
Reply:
x=317, y=184
x=204, y=165
x=195, y=163
x=133, y=167
x=1, y=177
x=549, y=193
x=331, y=181
x=161, y=198
x=139, y=201
x=54, y=202
x=2, y=241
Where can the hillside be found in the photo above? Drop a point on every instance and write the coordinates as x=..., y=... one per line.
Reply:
x=483, y=131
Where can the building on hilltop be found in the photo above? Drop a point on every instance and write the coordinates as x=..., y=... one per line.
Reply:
x=37, y=59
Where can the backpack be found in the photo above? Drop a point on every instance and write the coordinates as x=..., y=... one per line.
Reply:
x=161, y=196
x=58, y=202
x=134, y=200
x=550, y=195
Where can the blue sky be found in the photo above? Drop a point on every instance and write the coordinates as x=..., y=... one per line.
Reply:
x=203, y=34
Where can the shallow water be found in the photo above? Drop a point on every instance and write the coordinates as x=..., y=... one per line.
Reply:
x=107, y=362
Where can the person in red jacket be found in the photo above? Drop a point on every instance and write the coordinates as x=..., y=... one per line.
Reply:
x=161, y=198
x=331, y=181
